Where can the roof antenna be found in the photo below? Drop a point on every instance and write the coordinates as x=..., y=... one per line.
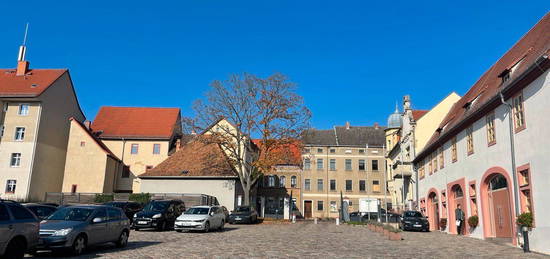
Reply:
x=22, y=48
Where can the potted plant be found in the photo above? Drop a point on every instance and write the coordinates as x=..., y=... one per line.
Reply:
x=473, y=221
x=443, y=223
x=525, y=220
x=395, y=234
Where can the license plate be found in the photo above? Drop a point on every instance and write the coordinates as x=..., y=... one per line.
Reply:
x=238, y=218
x=417, y=226
x=142, y=222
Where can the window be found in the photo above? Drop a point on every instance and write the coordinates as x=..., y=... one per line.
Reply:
x=307, y=184
x=15, y=160
x=148, y=167
x=293, y=181
x=332, y=165
x=125, y=172
x=421, y=172
x=518, y=111
x=5, y=107
x=332, y=150
x=349, y=185
x=2, y=127
x=320, y=205
x=135, y=148
x=114, y=214
x=348, y=164
x=374, y=165
x=441, y=158
x=10, y=186
x=19, y=212
x=271, y=181
x=319, y=150
x=362, y=165
x=362, y=186
x=82, y=143
x=319, y=184
x=156, y=149
x=376, y=186
x=73, y=188
x=348, y=151
x=23, y=109
x=282, y=181
x=4, y=215
x=333, y=185
x=470, y=140
x=491, y=135
x=453, y=150
x=319, y=163
x=526, y=198
x=307, y=164
x=19, y=133
x=333, y=207
x=306, y=150
x=434, y=156
x=361, y=151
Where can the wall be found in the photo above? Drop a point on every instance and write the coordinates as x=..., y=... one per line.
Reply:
x=225, y=190
x=59, y=104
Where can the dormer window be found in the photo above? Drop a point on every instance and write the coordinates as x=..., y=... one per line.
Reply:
x=505, y=75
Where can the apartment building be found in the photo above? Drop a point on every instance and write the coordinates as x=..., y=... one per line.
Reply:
x=347, y=160
x=141, y=137
x=34, y=129
x=406, y=135
x=490, y=152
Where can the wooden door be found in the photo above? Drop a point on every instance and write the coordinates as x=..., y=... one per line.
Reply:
x=501, y=213
x=307, y=209
x=435, y=220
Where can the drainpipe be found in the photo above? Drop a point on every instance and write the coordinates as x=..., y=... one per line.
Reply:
x=512, y=154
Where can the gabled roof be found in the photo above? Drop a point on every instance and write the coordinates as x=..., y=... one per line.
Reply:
x=32, y=84
x=286, y=154
x=95, y=139
x=342, y=136
x=519, y=59
x=417, y=114
x=198, y=158
x=136, y=122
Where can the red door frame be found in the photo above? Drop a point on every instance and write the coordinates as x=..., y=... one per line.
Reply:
x=451, y=206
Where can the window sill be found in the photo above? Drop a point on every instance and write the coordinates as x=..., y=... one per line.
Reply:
x=492, y=143
x=519, y=129
x=470, y=153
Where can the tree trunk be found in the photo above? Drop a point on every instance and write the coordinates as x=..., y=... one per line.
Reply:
x=246, y=190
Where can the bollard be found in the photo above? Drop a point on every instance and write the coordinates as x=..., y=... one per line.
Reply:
x=337, y=221
x=315, y=221
x=293, y=218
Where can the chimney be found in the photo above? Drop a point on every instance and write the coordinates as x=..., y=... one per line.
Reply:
x=87, y=124
x=347, y=125
x=376, y=126
x=22, y=64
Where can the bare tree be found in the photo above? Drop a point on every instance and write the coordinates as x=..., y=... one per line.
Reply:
x=265, y=108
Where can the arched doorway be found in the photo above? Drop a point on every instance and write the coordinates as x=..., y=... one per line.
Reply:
x=499, y=217
x=456, y=197
x=433, y=211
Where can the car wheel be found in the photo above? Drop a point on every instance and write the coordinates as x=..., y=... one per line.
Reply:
x=16, y=249
x=206, y=227
x=222, y=227
x=122, y=239
x=79, y=245
x=161, y=226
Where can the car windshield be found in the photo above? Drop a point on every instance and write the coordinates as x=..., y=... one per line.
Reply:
x=197, y=211
x=115, y=204
x=156, y=206
x=242, y=209
x=71, y=214
x=413, y=214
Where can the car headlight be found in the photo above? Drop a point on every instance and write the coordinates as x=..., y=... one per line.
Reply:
x=62, y=232
x=200, y=220
x=156, y=216
x=135, y=215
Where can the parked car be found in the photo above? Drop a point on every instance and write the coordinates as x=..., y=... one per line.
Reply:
x=226, y=213
x=202, y=218
x=413, y=220
x=159, y=214
x=366, y=216
x=243, y=214
x=130, y=208
x=75, y=228
x=40, y=210
x=49, y=203
x=18, y=230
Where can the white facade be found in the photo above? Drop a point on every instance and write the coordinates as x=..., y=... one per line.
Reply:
x=532, y=147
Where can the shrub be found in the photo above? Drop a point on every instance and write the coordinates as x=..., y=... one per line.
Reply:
x=525, y=219
x=140, y=197
x=473, y=221
x=102, y=198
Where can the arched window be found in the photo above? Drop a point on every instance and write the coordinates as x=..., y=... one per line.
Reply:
x=271, y=181
x=282, y=181
x=293, y=181
x=458, y=191
x=497, y=182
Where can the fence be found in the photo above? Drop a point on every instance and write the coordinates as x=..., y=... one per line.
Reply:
x=64, y=198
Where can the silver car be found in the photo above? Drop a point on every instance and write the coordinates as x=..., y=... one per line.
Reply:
x=77, y=227
x=204, y=218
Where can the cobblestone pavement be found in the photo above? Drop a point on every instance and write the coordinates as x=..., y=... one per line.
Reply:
x=305, y=240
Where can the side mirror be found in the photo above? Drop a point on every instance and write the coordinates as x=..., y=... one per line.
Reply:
x=211, y=213
x=97, y=220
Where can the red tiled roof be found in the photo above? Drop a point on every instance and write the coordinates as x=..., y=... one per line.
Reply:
x=417, y=114
x=95, y=139
x=136, y=122
x=198, y=158
x=526, y=51
x=286, y=154
x=32, y=84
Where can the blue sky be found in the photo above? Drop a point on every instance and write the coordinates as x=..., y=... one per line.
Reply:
x=352, y=60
